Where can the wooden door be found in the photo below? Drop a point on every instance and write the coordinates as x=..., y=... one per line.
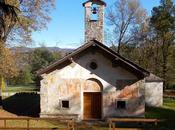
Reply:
x=92, y=105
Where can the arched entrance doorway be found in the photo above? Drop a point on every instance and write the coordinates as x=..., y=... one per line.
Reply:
x=92, y=99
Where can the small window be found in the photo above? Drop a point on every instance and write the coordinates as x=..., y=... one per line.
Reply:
x=65, y=104
x=93, y=65
x=121, y=104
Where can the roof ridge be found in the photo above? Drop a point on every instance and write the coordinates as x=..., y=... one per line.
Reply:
x=104, y=48
x=121, y=57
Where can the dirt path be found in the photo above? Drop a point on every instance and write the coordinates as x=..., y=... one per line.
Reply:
x=5, y=114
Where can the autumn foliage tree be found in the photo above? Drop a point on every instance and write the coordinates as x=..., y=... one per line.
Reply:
x=32, y=15
x=8, y=66
x=18, y=19
x=8, y=18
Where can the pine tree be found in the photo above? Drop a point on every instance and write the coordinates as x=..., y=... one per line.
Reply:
x=163, y=23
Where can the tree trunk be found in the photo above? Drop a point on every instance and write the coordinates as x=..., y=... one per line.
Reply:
x=119, y=46
x=156, y=57
x=118, y=51
x=164, y=72
x=165, y=51
x=1, y=83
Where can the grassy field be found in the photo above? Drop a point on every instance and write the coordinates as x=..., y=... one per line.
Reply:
x=169, y=103
x=34, y=124
x=21, y=88
x=165, y=112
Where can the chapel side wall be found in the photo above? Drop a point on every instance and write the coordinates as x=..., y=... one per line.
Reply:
x=154, y=94
x=43, y=98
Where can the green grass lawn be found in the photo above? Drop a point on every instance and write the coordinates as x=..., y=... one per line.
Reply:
x=169, y=103
x=165, y=113
x=21, y=88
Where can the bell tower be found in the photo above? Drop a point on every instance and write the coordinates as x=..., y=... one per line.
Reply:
x=94, y=20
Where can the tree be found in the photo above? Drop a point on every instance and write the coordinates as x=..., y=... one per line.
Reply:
x=163, y=23
x=7, y=63
x=7, y=66
x=8, y=18
x=40, y=58
x=124, y=17
x=171, y=68
x=18, y=19
x=23, y=78
x=21, y=18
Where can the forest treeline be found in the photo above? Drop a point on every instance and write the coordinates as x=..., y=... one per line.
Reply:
x=30, y=62
x=148, y=40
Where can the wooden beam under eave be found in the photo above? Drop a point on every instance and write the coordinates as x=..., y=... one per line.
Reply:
x=115, y=63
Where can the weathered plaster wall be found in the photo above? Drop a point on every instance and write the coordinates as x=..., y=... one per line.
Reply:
x=134, y=97
x=154, y=94
x=60, y=90
x=69, y=83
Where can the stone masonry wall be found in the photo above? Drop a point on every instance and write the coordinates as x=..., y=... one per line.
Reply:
x=94, y=28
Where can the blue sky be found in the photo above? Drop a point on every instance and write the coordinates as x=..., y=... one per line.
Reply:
x=66, y=29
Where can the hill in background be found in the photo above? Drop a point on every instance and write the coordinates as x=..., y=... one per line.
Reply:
x=63, y=51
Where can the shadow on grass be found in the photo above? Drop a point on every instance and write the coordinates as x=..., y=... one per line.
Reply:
x=160, y=113
x=23, y=104
x=166, y=115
